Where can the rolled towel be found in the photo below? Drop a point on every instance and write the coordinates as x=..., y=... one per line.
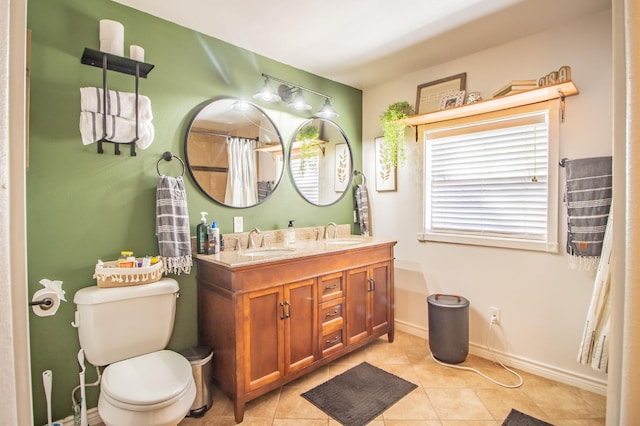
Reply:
x=118, y=129
x=119, y=104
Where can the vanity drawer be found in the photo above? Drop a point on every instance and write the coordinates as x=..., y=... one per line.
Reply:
x=331, y=315
x=332, y=342
x=330, y=287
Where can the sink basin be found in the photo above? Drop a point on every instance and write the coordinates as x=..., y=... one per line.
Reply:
x=266, y=252
x=345, y=241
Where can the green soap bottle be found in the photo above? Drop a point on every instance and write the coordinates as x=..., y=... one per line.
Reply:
x=202, y=231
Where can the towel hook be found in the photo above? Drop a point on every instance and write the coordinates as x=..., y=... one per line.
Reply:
x=168, y=156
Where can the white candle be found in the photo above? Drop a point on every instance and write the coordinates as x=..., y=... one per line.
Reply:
x=136, y=53
x=111, y=37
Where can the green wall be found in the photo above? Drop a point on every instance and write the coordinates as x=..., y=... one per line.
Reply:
x=82, y=206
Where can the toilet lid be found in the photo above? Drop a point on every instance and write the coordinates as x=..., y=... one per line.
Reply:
x=147, y=379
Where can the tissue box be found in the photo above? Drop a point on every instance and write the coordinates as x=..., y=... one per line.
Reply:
x=108, y=274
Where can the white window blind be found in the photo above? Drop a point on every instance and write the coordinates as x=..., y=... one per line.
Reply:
x=487, y=182
x=306, y=176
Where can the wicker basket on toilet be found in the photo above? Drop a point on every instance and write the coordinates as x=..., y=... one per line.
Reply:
x=108, y=274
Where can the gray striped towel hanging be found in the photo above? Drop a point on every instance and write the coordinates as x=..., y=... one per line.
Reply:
x=172, y=225
x=588, y=200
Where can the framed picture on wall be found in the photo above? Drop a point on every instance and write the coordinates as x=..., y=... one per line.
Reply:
x=386, y=174
x=430, y=94
x=343, y=167
x=452, y=100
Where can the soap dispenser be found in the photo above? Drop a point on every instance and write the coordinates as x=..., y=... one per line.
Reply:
x=202, y=233
x=290, y=238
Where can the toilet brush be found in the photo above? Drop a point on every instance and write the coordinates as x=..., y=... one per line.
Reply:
x=47, y=378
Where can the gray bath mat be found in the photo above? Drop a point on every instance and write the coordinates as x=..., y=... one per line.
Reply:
x=359, y=395
x=517, y=418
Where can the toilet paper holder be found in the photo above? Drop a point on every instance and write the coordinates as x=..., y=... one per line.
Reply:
x=46, y=303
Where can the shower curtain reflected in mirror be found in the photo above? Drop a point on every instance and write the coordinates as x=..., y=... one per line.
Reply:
x=242, y=178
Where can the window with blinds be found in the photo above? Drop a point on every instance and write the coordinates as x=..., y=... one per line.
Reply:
x=306, y=176
x=489, y=183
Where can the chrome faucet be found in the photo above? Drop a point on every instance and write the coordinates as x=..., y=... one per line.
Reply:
x=237, y=240
x=326, y=230
x=250, y=242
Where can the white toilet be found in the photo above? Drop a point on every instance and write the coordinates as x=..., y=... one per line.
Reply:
x=127, y=329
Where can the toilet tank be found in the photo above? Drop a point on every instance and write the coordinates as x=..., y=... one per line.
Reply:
x=124, y=322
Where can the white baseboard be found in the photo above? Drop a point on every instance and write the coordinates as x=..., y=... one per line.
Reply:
x=524, y=364
x=412, y=329
x=93, y=418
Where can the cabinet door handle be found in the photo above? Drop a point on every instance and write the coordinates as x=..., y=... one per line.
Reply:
x=372, y=284
x=287, y=305
x=331, y=287
x=284, y=312
x=332, y=314
x=332, y=341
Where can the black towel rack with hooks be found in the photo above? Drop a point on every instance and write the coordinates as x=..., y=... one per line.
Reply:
x=107, y=61
x=168, y=156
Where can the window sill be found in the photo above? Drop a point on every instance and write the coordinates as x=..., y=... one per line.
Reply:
x=489, y=241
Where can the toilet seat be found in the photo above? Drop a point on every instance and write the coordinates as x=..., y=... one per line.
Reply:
x=147, y=382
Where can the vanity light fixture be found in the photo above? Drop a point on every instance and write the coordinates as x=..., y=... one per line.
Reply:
x=327, y=110
x=293, y=94
x=299, y=103
x=267, y=93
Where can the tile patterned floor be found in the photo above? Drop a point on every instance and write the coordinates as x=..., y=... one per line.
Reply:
x=444, y=397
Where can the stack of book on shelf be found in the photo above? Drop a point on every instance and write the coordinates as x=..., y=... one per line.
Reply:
x=515, y=86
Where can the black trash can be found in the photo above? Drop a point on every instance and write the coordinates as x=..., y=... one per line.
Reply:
x=448, y=327
x=200, y=358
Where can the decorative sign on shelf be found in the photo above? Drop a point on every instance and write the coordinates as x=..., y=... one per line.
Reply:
x=554, y=77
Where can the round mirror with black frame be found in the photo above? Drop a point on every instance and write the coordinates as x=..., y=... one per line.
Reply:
x=234, y=152
x=320, y=161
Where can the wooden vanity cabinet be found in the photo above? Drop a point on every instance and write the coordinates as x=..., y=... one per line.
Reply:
x=269, y=323
x=331, y=313
x=368, y=301
x=279, y=332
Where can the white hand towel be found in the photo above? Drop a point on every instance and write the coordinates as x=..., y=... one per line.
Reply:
x=118, y=129
x=119, y=104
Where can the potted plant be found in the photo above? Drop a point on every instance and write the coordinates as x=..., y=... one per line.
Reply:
x=393, y=150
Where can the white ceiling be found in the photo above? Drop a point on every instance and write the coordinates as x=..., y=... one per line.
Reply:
x=366, y=42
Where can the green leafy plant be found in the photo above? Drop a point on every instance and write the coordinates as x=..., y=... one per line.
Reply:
x=308, y=137
x=308, y=133
x=393, y=150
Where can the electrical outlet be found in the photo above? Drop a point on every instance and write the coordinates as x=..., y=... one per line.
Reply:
x=495, y=315
x=238, y=225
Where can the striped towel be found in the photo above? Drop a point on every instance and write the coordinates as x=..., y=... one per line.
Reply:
x=120, y=130
x=265, y=188
x=362, y=208
x=594, y=348
x=172, y=225
x=119, y=104
x=588, y=199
